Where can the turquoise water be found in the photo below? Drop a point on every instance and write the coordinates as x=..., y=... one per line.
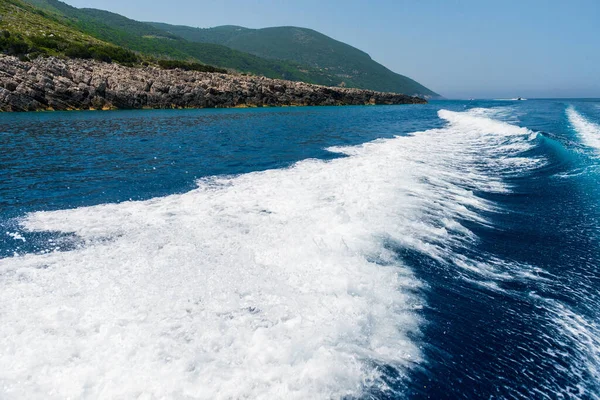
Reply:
x=448, y=250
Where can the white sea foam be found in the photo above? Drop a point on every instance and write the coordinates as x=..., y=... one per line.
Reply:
x=16, y=236
x=275, y=284
x=588, y=131
x=581, y=336
x=585, y=335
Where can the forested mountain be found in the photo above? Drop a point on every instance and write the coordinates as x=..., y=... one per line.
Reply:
x=341, y=61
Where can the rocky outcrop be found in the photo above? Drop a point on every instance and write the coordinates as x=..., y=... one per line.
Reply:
x=58, y=84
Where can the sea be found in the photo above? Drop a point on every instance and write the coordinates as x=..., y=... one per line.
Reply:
x=441, y=251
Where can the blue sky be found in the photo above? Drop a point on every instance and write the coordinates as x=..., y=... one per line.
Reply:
x=485, y=48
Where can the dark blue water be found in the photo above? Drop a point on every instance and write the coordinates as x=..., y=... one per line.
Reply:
x=496, y=229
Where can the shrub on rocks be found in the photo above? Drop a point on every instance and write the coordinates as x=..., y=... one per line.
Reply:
x=13, y=45
x=189, y=66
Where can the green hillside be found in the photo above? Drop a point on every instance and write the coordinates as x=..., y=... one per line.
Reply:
x=151, y=41
x=27, y=30
x=341, y=61
x=24, y=23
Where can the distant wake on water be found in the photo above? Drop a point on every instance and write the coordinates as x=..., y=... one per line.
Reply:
x=274, y=284
x=587, y=130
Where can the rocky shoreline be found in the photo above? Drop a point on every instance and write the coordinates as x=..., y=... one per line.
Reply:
x=59, y=84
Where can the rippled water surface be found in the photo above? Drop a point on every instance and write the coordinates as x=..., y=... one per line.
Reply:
x=448, y=250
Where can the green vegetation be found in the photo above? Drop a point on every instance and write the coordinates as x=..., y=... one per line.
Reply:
x=25, y=21
x=102, y=53
x=13, y=45
x=344, y=64
x=189, y=66
x=156, y=43
x=26, y=30
x=97, y=51
x=223, y=35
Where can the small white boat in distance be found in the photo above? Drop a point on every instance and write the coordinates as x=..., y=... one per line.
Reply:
x=513, y=99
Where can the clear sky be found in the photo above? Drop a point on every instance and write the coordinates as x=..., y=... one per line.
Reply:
x=469, y=48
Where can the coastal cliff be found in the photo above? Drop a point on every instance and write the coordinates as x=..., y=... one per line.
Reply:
x=69, y=84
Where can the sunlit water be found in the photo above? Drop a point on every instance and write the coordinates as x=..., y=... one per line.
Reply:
x=449, y=250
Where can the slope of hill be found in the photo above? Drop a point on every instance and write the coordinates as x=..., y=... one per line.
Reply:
x=307, y=47
x=25, y=29
x=152, y=41
x=21, y=19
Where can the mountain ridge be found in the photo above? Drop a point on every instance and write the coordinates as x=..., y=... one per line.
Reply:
x=352, y=66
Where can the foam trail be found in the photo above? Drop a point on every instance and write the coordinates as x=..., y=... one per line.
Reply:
x=587, y=130
x=580, y=335
x=274, y=284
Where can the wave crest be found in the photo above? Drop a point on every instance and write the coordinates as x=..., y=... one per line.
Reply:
x=588, y=131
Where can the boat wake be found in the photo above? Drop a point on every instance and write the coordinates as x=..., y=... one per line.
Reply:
x=588, y=131
x=274, y=284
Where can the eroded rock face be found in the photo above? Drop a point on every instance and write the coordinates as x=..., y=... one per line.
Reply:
x=57, y=84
